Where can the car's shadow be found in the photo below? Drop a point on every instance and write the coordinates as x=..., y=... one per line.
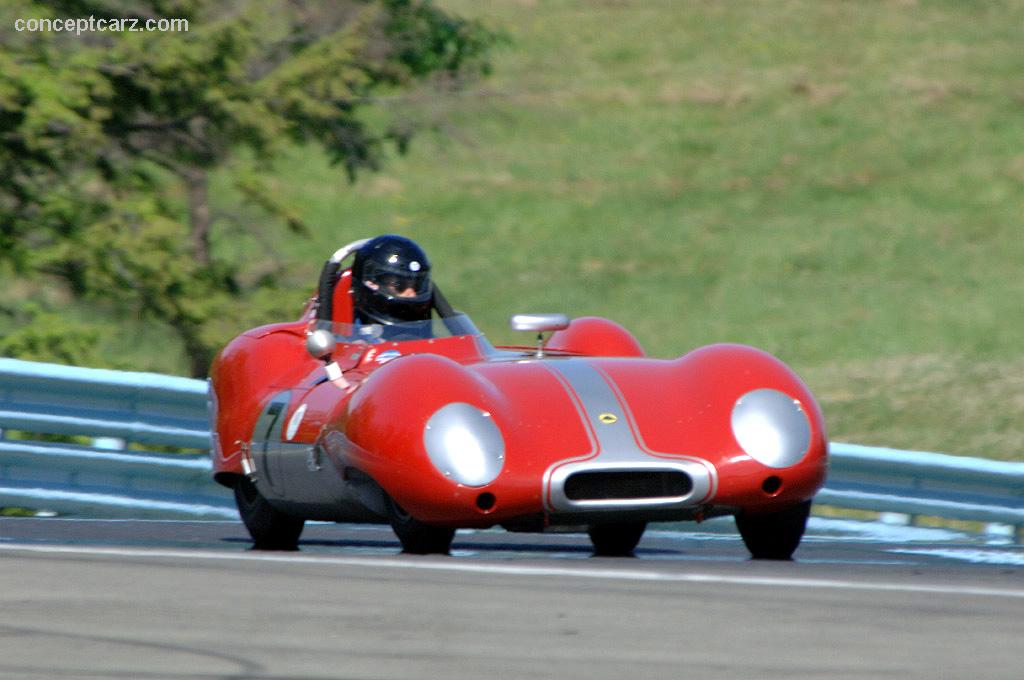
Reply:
x=495, y=548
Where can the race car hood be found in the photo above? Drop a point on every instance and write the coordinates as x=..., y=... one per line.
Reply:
x=660, y=417
x=584, y=428
x=664, y=423
x=569, y=407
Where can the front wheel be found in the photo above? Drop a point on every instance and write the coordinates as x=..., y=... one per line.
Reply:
x=774, y=536
x=270, y=528
x=416, y=537
x=616, y=539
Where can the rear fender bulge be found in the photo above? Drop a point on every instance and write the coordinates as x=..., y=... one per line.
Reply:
x=595, y=336
x=243, y=376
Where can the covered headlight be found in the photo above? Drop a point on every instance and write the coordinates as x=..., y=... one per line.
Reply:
x=771, y=427
x=464, y=444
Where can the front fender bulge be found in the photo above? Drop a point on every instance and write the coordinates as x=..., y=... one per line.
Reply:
x=690, y=407
x=391, y=408
x=507, y=422
x=388, y=418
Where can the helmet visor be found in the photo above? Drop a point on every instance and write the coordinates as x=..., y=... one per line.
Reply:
x=401, y=285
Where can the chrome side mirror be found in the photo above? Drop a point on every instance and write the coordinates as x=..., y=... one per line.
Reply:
x=539, y=324
x=320, y=344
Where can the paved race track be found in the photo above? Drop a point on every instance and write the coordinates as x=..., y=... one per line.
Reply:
x=170, y=600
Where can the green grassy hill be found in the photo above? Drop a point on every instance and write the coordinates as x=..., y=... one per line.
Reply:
x=840, y=183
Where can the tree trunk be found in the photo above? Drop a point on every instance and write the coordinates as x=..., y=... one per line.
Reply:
x=199, y=360
x=200, y=354
x=196, y=185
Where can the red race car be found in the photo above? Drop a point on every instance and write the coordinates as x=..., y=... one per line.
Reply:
x=424, y=424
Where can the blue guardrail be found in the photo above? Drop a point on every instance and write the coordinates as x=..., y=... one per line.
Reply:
x=105, y=413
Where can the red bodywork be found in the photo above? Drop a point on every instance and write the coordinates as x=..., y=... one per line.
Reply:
x=335, y=449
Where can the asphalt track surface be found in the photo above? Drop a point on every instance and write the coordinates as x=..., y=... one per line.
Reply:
x=173, y=600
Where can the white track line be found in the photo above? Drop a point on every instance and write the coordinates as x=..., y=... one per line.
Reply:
x=446, y=565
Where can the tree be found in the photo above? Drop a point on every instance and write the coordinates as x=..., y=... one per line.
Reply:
x=108, y=138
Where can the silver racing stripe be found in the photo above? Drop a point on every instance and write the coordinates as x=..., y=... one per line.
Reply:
x=595, y=399
x=616, y=446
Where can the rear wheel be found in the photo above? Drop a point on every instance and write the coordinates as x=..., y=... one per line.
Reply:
x=774, y=536
x=616, y=539
x=270, y=528
x=416, y=537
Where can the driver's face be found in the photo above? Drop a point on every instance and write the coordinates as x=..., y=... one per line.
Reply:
x=405, y=292
x=397, y=286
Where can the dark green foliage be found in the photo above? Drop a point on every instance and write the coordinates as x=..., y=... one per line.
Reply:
x=107, y=140
x=38, y=335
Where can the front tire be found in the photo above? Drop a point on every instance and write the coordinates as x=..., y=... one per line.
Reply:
x=416, y=537
x=616, y=539
x=774, y=536
x=270, y=528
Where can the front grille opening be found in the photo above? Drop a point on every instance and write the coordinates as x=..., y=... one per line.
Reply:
x=624, y=485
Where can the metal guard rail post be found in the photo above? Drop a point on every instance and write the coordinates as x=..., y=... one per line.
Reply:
x=152, y=409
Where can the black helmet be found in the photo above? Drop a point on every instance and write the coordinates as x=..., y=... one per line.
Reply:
x=391, y=281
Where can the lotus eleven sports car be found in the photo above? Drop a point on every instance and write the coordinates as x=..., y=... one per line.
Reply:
x=431, y=428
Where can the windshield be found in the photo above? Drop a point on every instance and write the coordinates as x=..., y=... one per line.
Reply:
x=371, y=333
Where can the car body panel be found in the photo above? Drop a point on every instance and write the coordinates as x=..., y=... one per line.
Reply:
x=590, y=411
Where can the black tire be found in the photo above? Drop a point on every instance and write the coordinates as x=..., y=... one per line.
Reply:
x=270, y=528
x=416, y=537
x=617, y=539
x=774, y=536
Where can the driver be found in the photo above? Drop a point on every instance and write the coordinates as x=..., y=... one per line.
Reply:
x=391, y=285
